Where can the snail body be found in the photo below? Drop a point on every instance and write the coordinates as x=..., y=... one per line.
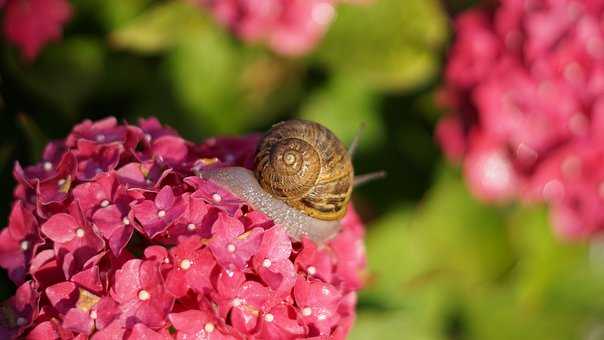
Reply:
x=303, y=179
x=243, y=183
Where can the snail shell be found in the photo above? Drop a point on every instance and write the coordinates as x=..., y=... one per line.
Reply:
x=305, y=165
x=303, y=179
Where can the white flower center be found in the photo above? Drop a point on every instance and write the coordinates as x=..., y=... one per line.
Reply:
x=325, y=291
x=104, y=203
x=93, y=315
x=191, y=227
x=21, y=321
x=143, y=295
x=80, y=232
x=231, y=248
x=24, y=245
x=311, y=270
x=185, y=264
x=147, y=137
x=307, y=311
x=161, y=213
x=322, y=317
x=125, y=220
x=266, y=263
x=269, y=317
x=47, y=166
x=209, y=327
x=61, y=182
x=216, y=197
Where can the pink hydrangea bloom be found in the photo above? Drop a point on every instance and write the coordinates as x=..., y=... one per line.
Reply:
x=31, y=24
x=289, y=27
x=130, y=244
x=524, y=83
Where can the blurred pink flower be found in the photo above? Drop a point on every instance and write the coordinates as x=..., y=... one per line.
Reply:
x=524, y=84
x=289, y=27
x=31, y=24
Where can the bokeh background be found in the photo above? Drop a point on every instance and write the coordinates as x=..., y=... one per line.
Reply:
x=442, y=265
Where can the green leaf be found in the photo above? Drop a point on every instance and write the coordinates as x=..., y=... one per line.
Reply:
x=5, y=152
x=36, y=138
x=205, y=73
x=556, y=275
x=390, y=44
x=395, y=259
x=110, y=13
x=226, y=87
x=397, y=325
x=467, y=239
x=343, y=105
x=65, y=75
x=160, y=28
x=497, y=315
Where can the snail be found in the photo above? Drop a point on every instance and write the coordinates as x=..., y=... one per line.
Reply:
x=303, y=179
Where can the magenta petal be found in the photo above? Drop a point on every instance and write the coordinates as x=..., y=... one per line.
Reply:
x=165, y=198
x=229, y=282
x=106, y=310
x=171, y=149
x=142, y=332
x=113, y=331
x=78, y=320
x=21, y=222
x=119, y=239
x=89, y=279
x=12, y=257
x=275, y=244
x=190, y=321
x=127, y=283
x=44, y=331
x=156, y=253
x=62, y=296
x=280, y=276
x=176, y=283
x=60, y=228
x=243, y=320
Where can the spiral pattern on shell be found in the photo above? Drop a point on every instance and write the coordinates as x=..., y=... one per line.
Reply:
x=307, y=166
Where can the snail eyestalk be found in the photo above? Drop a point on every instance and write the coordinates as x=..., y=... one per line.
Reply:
x=355, y=141
x=366, y=178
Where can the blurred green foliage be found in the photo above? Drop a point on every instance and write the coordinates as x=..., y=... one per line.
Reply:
x=442, y=265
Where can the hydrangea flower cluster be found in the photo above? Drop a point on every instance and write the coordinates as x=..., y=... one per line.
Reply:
x=112, y=236
x=31, y=24
x=526, y=85
x=289, y=27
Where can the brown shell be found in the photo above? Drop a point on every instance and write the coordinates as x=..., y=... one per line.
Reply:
x=307, y=166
